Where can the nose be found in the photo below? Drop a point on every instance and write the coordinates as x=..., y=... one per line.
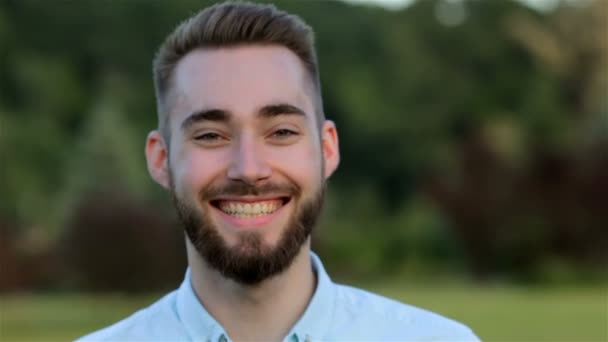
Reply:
x=249, y=164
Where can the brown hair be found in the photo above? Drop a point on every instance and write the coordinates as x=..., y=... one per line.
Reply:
x=231, y=24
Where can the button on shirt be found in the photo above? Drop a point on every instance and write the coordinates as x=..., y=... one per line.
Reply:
x=335, y=313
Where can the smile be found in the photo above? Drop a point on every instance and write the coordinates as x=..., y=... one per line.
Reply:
x=245, y=209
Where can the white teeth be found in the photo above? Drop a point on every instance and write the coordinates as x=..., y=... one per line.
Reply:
x=248, y=210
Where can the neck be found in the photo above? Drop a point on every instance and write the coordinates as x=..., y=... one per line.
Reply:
x=264, y=312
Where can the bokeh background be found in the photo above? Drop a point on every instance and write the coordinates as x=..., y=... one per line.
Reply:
x=474, y=174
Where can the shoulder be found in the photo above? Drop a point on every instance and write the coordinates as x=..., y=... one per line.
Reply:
x=159, y=321
x=363, y=313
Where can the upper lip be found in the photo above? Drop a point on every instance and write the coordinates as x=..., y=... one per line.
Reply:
x=250, y=198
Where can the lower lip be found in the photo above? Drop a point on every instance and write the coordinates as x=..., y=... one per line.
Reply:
x=251, y=222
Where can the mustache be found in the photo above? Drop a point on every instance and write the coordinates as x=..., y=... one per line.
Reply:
x=245, y=189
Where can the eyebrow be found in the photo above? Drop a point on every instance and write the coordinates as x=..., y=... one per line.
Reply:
x=274, y=110
x=215, y=115
x=220, y=115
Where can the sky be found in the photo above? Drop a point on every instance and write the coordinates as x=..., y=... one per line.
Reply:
x=542, y=5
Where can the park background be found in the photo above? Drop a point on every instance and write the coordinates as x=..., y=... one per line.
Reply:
x=473, y=181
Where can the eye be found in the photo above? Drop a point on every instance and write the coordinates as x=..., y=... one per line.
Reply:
x=208, y=137
x=284, y=133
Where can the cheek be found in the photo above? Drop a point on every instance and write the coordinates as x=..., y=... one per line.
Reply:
x=301, y=163
x=195, y=169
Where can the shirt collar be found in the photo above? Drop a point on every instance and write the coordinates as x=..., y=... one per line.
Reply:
x=199, y=324
x=311, y=326
x=316, y=320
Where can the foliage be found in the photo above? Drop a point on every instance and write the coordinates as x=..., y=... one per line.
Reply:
x=478, y=145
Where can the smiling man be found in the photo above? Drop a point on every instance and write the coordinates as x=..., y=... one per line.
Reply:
x=245, y=150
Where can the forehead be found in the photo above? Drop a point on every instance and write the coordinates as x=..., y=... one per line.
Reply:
x=240, y=80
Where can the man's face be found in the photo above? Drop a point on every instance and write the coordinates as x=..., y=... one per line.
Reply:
x=246, y=164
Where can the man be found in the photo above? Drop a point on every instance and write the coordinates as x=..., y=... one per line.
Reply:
x=245, y=151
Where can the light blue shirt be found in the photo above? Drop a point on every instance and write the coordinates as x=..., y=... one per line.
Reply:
x=335, y=313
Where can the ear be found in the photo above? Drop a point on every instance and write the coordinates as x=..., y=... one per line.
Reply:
x=329, y=144
x=157, y=158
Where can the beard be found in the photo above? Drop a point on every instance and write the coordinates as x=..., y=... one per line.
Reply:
x=250, y=261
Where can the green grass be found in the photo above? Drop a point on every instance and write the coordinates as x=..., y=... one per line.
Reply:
x=62, y=317
x=519, y=314
x=496, y=314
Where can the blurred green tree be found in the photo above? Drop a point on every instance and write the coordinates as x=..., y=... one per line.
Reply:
x=472, y=141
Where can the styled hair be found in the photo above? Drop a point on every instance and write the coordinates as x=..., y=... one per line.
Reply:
x=231, y=24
